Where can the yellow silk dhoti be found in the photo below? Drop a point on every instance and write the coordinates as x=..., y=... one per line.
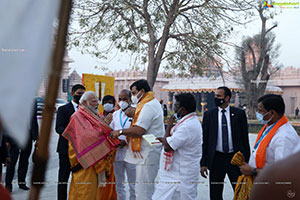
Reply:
x=84, y=183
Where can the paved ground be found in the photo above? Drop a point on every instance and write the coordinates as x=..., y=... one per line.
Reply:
x=49, y=190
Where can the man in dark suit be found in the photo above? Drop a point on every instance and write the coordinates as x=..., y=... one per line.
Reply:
x=62, y=120
x=225, y=132
x=14, y=152
x=4, y=156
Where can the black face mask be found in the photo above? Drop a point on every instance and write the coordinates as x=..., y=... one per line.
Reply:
x=76, y=98
x=219, y=102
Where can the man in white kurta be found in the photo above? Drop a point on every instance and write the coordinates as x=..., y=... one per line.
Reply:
x=148, y=119
x=281, y=146
x=121, y=121
x=278, y=139
x=180, y=180
x=151, y=119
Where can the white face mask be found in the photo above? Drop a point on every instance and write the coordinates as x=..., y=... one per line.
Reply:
x=123, y=104
x=108, y=107
x=135, y=99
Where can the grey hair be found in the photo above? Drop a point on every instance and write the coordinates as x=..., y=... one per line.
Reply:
x=86, y=95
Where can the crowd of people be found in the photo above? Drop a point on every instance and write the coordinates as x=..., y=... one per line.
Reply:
x=129, y=144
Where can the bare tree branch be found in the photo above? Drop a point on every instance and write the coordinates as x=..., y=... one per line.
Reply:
x=130, y=23
x=194, y=6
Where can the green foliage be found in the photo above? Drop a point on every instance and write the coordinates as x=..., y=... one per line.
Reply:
x=184, y=33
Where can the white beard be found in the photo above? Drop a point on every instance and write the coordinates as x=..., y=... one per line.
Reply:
x=93, y=109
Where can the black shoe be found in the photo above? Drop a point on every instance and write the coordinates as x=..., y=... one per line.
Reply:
x=23, y=187
x=9, y=188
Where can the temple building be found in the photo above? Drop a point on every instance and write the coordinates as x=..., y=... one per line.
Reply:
x=204, y=88
x=69, y=80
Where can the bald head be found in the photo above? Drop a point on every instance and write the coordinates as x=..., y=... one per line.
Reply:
x=124, y=99
x=126, y=92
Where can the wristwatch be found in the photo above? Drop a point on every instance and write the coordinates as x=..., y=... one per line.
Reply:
x=120, y=132
x=254, y=172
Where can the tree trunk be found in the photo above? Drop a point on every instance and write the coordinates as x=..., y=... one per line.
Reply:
x=151, y=71
x=151, y=74
x=255, y=88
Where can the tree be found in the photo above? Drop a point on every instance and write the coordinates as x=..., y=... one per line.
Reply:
x=180, y=32
x=256, y=56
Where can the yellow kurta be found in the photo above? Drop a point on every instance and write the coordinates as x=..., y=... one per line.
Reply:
x=84, y=183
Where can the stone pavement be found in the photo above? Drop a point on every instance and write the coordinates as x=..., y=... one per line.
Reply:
x=49, y=190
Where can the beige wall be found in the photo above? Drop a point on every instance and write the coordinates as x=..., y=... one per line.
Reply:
x=291, y=96
x=288, y=79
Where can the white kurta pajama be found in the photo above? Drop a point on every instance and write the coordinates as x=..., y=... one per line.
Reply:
x=181, y=180
x=282, y=145
x=121, y=121
x=151, y=119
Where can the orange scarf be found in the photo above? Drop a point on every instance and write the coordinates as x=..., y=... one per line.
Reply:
x=260, y=158
x=136, y=142
x=89, y=136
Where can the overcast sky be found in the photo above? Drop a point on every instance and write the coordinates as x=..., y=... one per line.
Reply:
x=287, y=34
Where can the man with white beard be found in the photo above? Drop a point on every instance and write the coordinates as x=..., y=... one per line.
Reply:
x=90, y=148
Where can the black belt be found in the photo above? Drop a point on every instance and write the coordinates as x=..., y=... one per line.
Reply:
x=76, y=168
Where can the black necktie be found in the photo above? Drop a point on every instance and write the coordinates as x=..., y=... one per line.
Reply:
x=224, y=133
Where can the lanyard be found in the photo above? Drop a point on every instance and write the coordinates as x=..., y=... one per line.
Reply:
x=263, y=136
x=122, y=124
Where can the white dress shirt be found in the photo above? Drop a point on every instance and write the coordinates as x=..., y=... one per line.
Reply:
x=219, y=146
x=75, y=105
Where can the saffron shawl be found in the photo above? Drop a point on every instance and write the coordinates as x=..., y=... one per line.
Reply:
x=136, y=142
x=89, y=136
x=260, y=158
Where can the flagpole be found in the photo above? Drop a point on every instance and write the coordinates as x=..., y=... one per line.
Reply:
x=42, y=153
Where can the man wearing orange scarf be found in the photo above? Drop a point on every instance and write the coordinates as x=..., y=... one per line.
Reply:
x=276, y=140
x=148, y=119
x=90, y=149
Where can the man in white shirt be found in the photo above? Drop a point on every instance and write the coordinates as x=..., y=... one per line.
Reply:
x=148, y=119
x=121, y=121
x=277, y=139
x=179, y=169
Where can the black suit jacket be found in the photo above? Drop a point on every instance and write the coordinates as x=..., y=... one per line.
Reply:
x=62, y=120
x=3, y=150
x=34, y=127
x=239, y=131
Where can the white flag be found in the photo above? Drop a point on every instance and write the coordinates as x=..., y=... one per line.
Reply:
x=26, y=41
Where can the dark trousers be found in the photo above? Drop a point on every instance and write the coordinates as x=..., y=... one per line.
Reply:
x=14, y=152
x=63, y=176
x=221, y=166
